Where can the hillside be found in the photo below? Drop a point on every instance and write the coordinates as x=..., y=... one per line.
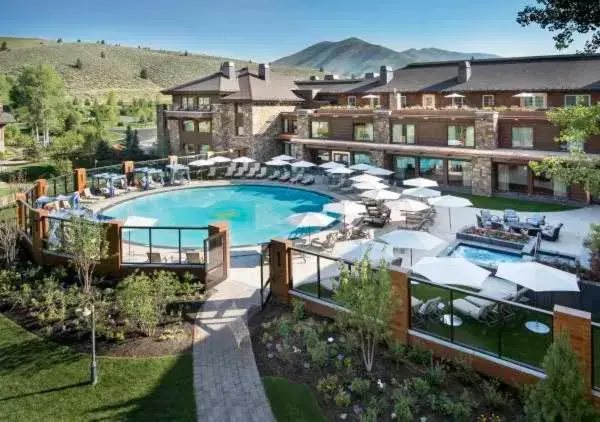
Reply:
x=119, y=70
x=354, y=55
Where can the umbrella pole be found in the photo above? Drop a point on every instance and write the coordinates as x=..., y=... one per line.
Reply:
x=450, y=219
x=411, y=257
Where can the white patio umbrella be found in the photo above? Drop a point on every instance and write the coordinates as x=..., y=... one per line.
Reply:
x=277, y=163
x=345, y=208
x=380, y=195
x=450, y=201
x=220, y=159
x=331, y=165
x=370, y=186
x=134, y=222
x=370, y=97
x=244, y=160
x=421, y=192
x=365, y=178
x=524, y=95
x=410, y=239
x=303, y=164
x=378, y=171
x=454, y=95
x=420, y=182
x=309, y=220
x=407, y=204
x=201, y=163
x=374, y=251
x=448, y=270
x=283, y=157
x=340, y=170
x=361, y=167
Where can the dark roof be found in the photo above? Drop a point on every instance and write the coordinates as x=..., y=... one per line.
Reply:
x=339, y=86
x=253, y=88
x=6, y=118
x=216, y=82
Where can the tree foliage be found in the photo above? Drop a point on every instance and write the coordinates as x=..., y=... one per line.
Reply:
x=66, y=145
x=367, y=295
x=566, y=18
x=10, y=232
x=144, y=73
x=592, y=242
x=3, y=46
x=107, y=114
x=5, y=86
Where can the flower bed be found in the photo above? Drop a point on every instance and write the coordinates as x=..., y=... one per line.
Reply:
x=497, y=234
x=405, y=384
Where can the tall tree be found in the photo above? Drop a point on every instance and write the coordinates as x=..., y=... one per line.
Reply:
x=5, y=86
x=107, y=114
x=38, y=96
x=567, y=18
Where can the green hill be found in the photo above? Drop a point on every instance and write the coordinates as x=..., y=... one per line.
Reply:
x=119, y=70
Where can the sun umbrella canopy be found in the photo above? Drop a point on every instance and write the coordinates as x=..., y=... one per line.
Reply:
x=331, y=165
x=201, y=163
x=407, y=204
x=454, y=95
x=374, y=251
x=244, y=160
x=277, y=163
x=378, y=171
x=420, y=182
x=411, y=239
x=345, y=207
x=303, y=164
x=538, y=277
x=340, y=170
x=283, y=157
x=370, y=186
x=450, y=201
x=365, y=178
x=456, y=271
x=524, y=95
x=220, y=159
x=135, y=221
x=380, y=195
x=421, y=192
x=309, y=219
x=361, y=167
x=370, y=96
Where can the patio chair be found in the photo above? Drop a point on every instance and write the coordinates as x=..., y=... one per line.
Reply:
x=87, y=195
x=496, y=226
x=308, y=180
x=155, y=258
x=480, y=313
x=252, y=172
x=212, y=173
x=536, y=220
x=415, y=305
x=326, y=245
x=240, y=171
x=229, y=172
x=285, y=176
x=551, y=233
x=194, y=257
x=262, y=173
x=338, y=185
x=275, y=175
x=297, y=178
x=510, y=216
x=430, y=309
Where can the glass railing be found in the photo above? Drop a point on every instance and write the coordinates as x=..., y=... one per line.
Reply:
x=61, y=185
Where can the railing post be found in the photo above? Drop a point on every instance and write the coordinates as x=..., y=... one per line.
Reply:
x=400, y=322
x=112, y=263
x=318, y=276
x=128, y=169
x=21, y=198
x=40, y=188
x=179, y=243
x=218, y=228
x=38, y=232
x=80, y=175
x=280, y=268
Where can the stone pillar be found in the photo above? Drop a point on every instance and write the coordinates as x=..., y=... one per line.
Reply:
x=381, y=126
x=162, y=132
x=577, y=325
x=173, y=131
x=400, y=322
x=218, y=228
x=280, y=268
x=80, y=179
x=41, y=188
x=223, y=126
x=172, y=159
x=38, y=233
x=112, y=263
x=303, y=123
x=481, y=176
x=299, y=152
x=378, y=158
x=486, y=129
x=393, y=101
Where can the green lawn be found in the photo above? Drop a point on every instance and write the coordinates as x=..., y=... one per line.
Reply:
x=498, y=203
x=311, y=289
x=292, y=402
x=40, y=380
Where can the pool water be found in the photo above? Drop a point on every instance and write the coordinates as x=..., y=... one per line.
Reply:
x=483, y=256
x=255, y=213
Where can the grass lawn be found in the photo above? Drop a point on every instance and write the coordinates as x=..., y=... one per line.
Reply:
x=292, y=402
x=498, y=203
x=311, y=289
x=40, y=380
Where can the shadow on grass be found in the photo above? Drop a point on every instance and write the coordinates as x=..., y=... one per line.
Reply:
x=46, y=391
x=33, y=355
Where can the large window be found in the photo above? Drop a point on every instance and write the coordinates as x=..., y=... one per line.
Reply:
x=459, y=173
x=188, y=125
x=575, y=100
x=362, y=157
x=403, y=134
x=239, y=130
x=203, y=101
x=535, y=101
x=204, y=126
x=522, y=137
x=323, y=155
x=405, y=167
x=461, y=136
x=352, y=101
x=401, y=101
x=363, y=131
x=487, y=100
x=319, y=129
x=288, y=125
x=543, y=185
x=511, y=178
x=458, y=101
x=429, y=100
x=432, y=168
x=188, y=103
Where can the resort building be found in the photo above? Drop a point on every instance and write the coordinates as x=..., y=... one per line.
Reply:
x=472, y=126
x=5, y=118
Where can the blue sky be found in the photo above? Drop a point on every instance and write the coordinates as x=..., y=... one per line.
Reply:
x=264, y=30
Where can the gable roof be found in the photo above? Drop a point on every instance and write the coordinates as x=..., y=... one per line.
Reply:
x=216, y=82
x=253, y=88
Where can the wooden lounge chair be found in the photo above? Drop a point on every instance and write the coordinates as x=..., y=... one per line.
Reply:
x=327, y=244
x=194, y=257
x=262, y=173
x=155, y=258
x=275, y=175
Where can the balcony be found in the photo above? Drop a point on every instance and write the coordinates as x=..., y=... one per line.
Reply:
x=190, y=112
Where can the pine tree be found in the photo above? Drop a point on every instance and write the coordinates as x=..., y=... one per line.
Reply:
x=59, y=40
x=78, y=64
x=102, y=55
x=144, y=73
x=128, y=140
x=102, y=42
x=103, y=150
x=134, y=149
x=4, y=46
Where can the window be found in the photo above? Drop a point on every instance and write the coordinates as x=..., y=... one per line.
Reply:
x=511, y=178
x=188, y=125
x=323, y=155
x=287, y=148
x=238, y=108
x=458, y=101
x=189, y=148
x=362, y=158
x=403, y=134
x=459, y=173
x=204, y=126
x=432, y=168
x=203, y=101
x=487, y=101
x=575, y=100
x=429, y=100
x=542, y=185
x=239, y=130
x=401, y=101
x=187, y=103
x=522, y=137
x=377, y=102
x=536, y=101
x=319, y=129
x=351, y=101
x=461, y=136
x=405, y=167
x=288, y=125
x=363, y=131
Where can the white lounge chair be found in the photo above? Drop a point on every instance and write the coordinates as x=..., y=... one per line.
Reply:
x=276, y=174
x=212, y=173
x=326, y=245
x=87, y=196
x=297, y=178
x=262, y=173
x=308, y=180
x=285, y=176
x=479, y=313
x=229, y=172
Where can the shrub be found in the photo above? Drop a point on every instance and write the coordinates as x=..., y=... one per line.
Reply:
x=144, y=73
x=284, y=327
x=492, y=396
x=418, y=355
x=342, y=398
x=298, y=309
x=435, y=374
x=78, y=64
x=58, y=41
x=419, y=386
x=102, y=55
x=402, y=408
x=360, y=386
x=328, y=385
x=318, y=352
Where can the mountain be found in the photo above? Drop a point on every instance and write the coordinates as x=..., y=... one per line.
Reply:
x=354, y=55
x=119, y=69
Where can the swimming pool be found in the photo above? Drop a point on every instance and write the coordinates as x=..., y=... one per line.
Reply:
x=484, y=256
x=255, y=213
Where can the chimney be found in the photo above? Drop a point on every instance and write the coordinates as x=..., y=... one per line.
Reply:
x=315, y=78
x=264, y=72
x=331, y=77
x=385, y=75
x=228, y=69
x=464, y=72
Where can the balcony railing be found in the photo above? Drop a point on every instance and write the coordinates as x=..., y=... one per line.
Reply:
x=200, y=108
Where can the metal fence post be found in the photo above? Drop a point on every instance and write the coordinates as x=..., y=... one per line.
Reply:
x=318, y=276
x=179, y=243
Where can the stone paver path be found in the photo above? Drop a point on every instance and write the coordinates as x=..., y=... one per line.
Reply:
x=227, y=384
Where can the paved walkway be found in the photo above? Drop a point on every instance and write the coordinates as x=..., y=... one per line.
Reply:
x=227, y=384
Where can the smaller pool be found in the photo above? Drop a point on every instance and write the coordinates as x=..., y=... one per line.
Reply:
x=483, y=256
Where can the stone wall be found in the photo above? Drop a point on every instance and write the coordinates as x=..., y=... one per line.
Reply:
x=267, y=117
x=378, y=158
x=303, y=123
x=482, y=176
x=173, y=136
x=486, y=130
x=300, y=152
x=162, y=133
x=381, y=126
x=223, y=126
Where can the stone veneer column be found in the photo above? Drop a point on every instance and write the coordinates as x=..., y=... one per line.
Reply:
x=173, y=130
x=381, y=126
x=400, y=322
x=223, y=126
x=303, y=123
x=162, y=133
x=486, y=129
x=279, y=268
x=393, y=101
x=577, y=325
x=481, y=176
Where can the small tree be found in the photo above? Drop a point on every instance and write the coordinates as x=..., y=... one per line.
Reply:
x=560, y=396
x=3, y=46
x=78, y=41
x=59, y=40
x=86, y=244
x=593, y=243
x=102, y=55
x=10, y=233
x=144, y=73
x=367, y=295
x=102, y=42
x=78, y=64
x=185, y=53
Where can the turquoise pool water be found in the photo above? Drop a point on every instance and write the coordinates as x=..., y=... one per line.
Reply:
x=483, y=256
x=255, y=213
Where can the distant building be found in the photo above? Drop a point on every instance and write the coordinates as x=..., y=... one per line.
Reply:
x=5, y=118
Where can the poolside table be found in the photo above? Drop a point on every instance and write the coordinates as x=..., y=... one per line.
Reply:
x=518, y=226
x=537, y=327
x=453, y=320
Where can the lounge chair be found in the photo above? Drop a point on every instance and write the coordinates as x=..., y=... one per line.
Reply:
x=252, y=172
x=285, y=176
x=327, y=244
x=275, y=175
x=510, y=216
x=551, y=233
x=212, y=173
x=240, y=171
x=536, y=220
x=297, y=178
x=308, y=180
x=155, y=258
x=347, y=188
x=338, y=185
x=480, y=313
x=194, y=257
x=229, y=172
x=492, y=294
x=262, y=173
x=430, y=309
